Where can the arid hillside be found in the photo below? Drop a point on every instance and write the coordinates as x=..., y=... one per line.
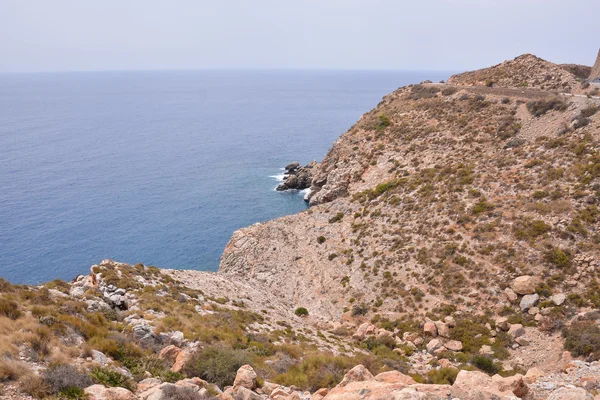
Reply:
x=451, y=250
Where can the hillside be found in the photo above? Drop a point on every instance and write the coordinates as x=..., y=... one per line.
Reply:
x=453, y=228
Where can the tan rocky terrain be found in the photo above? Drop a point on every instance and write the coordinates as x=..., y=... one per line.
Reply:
x=451, y=249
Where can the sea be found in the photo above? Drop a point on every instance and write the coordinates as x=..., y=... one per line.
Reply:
x=160, y=167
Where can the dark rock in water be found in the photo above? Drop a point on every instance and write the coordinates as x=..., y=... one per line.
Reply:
x=297, y=177
x=292, y=166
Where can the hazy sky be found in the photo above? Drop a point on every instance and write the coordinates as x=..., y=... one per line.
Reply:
x=67, y=35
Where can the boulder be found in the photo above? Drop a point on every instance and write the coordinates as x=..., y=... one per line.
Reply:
x=243, y=393
x=525, y=284
x=169, y=353
x=558, y=299
x=442, y=329
x=510, y=295
x=454, y=345
x=99, y=392
x=533, y=374
x=179, y=390
x=502, y=323
x=356, y=374
x=430, y=329
x=486, y=350
x=100, y=358
x=246, y=377
x=292, y=166
x=180, y=361
x=570, y=393
x=475, y=385
x=147, y=383
x=528, y=301
x=516, y=330
x=395, y=377
x=433, y=345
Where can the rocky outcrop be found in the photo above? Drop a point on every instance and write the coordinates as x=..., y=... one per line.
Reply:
x=595, y=73
x=297, y=177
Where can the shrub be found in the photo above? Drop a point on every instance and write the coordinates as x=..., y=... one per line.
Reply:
x=449, y=91
x=481, y=206
x=35, y=386
x=384, y=122
x=583, y=339
x=336, y=218
x=559, y=258
x=486, y=364
x=11, y=370
x=321, y=239
x=316, y=371
x=66, y=379
x=537, y=108
x=218, y=365
x=301, y=311
x=360, y=309
x=422, y=92
x=180, y=393
x=10, y=309
x=111, y=378
x=442, y=376
x=589, y=111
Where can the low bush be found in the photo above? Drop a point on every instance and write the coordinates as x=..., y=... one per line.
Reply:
x=217, y=365
x=12, y=370
x=583, y=339
x=537, y=108
x=9, y=309
x=442, y=376
x=418, y=92
x=301, y=311
x=336, y=218
x=321, y=239
x=65, y=379
x=111, y=378
x=486, y=364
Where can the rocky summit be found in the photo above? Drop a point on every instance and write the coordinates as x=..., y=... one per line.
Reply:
x=451, y=251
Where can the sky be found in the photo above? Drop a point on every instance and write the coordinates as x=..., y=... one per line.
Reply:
x=448, y=35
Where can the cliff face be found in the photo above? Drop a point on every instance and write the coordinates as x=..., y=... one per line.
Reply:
x=595, y=74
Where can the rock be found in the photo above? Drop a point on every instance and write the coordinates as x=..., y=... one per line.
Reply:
x=100, y=358
x=433, y=345
x=320, y=394
x=99, y=392
x=246, y=377
x=181, y=390
x=410, y=336
x=533, y=374
x=533, y=311
x=356, y=374
x=182, y=358
x=147, y=383
x=475, y=385
x=453, y=345
x=145, y=335
x=169, y=353
x=522, y=341
x=449, y=320
x=570, y=393
x=442, y=329
x=430, y=329
x=558, y=299
x=502, y=323
x=510, y=294
x=292, y=166
x=361, y=332
x=486, y=350
x=516, y=330
x=395, y=377
x=529, y=301
x=243, y=393
x=525, y=284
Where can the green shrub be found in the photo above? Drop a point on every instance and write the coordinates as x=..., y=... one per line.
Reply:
x=418, y=92
x=442, y=376
x=540, y=107
x=481, y=207
x=301, y=311
x=360, y=309
x=111, y=378
x=384, y=122
x=336, y=218
x=217, y=365
x=583, y=339
x=486, y=364
x=321, y=239
x=559, y=258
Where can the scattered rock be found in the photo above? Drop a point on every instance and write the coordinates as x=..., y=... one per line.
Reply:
x=529, y=301
x=99, y=392
x=525, y=284
x=430, y=329
x=356, y=374
x=246, y=377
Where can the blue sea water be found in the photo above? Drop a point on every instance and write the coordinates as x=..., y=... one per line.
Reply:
x=159, y=167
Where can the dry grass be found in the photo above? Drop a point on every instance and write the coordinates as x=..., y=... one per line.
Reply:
x=12, y=370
